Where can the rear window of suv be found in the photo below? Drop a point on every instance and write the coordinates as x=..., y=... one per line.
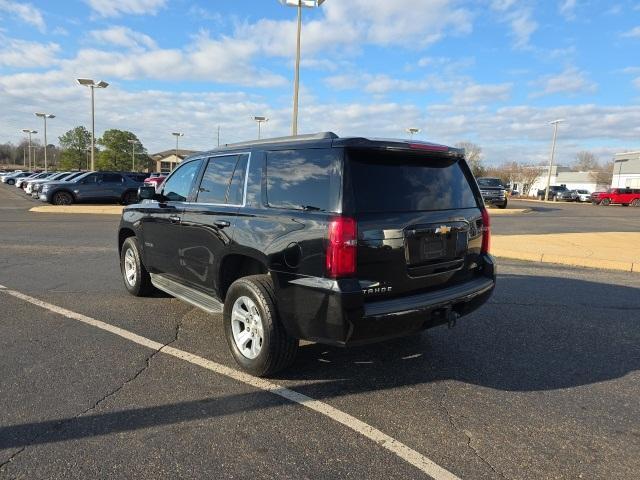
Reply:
x=405, y=182
x=304, y=179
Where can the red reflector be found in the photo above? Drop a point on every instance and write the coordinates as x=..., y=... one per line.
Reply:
x=341, y=250
x=428, y=147
x=486, y=231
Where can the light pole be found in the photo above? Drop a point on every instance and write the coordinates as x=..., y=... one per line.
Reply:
x=296, y=80
x=260, y=120
x=45, y=116
x=29, y=132
x=621, y=161
x=133, y=154
x=177, y=135
x=412, y=131
x=553, y=152
x=87, y=82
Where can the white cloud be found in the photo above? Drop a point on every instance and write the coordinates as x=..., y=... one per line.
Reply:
x=382, y=84
x=571, y=81
x=567, y=9
x=25, y=11
x=483, y=94
x=519, y=17
x=636, y=82
x=114, y=8
x=26, y=54
x=123, y=37
x=633, y=33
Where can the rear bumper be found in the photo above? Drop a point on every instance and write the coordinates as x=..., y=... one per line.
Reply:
x=333, y=312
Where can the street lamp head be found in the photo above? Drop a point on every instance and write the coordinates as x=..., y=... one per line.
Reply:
x=260, y=119
x=133, y=141
x=302, y=3
x=413, y=130
x=177, y=134
x=560, y=120
x=88, y=82
x=45, y=115
x=27, y=130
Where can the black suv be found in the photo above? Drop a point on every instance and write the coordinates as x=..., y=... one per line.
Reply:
x=493, y=191
x=342, y=241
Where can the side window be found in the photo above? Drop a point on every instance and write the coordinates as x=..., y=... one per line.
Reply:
x=221, y=180
x=91, y=179
x=303, y=179
x=235, y=194
x=111, y=178
x=178, y=185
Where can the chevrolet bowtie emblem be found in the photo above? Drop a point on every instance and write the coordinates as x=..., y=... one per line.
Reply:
x=443, y=229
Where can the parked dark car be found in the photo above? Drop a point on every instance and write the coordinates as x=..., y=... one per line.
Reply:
x=566, y=196
x=493, y=191
x=554, y=190
x=342, y=241
x=94, y=187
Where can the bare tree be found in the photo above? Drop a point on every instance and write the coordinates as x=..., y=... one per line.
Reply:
x=585, y=161
x=602, y=175
x=473, y=155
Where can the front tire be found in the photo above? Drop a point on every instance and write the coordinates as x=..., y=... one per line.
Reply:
x=503, y=206
x=606, y=202
x=11, y=182
x=62, y=198
x=257, y=339
x=136, y=277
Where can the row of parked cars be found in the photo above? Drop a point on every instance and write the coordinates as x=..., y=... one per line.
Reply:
x=65, y=188
x=560, y=193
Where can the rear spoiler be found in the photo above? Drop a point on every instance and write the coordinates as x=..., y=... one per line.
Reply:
x=399, y=145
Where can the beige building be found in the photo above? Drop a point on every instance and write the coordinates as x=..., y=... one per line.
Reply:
x=166, y=161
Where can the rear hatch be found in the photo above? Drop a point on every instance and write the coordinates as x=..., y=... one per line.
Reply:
x=418, y=219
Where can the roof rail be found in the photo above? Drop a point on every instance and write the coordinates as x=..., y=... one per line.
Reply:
x=310, y=136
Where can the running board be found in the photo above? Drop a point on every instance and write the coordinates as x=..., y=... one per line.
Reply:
x=188, y=294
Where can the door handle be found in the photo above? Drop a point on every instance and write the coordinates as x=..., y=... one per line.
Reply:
x=221, y=223
x=174, y=219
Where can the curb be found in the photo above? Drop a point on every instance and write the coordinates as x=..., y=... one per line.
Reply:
x=507, y=211
x=569, y=261
x=79, y=209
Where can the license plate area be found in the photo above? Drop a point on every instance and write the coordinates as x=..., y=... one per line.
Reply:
x=436, y=244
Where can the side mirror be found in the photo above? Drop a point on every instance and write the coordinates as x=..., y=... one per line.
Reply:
x=147, y=193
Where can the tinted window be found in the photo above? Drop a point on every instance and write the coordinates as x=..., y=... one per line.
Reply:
x=300, y=179
x=235, y=195
x=401, y=182
x=489, y=182
x=111, y=178
x=178, y=185
x=216, y=181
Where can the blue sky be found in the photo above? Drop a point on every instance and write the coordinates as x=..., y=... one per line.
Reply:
x=493, y=72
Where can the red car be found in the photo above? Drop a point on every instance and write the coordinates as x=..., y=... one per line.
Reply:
x=623, y=196
x=155, y=180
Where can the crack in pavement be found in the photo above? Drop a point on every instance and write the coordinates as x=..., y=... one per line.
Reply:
x=63, y=423
x=453, y=424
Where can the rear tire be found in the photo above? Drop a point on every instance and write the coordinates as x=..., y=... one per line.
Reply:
x=250, y=315
x=11, y=181
x=62, y=198
x=606, y=202
x=636, y=203
x=136, y=277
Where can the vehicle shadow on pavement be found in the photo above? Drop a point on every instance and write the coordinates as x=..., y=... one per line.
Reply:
x=535, y=334
x=507, y=345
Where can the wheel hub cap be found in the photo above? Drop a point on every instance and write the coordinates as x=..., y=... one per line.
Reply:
x=130, y=269
x=246, y=326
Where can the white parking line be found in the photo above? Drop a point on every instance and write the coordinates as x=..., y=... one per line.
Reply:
x=398, y=448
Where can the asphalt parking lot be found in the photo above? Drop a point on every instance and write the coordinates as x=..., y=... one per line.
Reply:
x=567, y=217
x=542, y=382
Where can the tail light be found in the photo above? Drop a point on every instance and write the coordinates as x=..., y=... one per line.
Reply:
x=486, y=231
x=341, y=250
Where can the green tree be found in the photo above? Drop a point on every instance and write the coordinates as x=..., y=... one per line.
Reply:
x=74, y=145
x=117, y=151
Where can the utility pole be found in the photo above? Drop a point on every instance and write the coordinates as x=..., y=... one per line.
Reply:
x=553, y=152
